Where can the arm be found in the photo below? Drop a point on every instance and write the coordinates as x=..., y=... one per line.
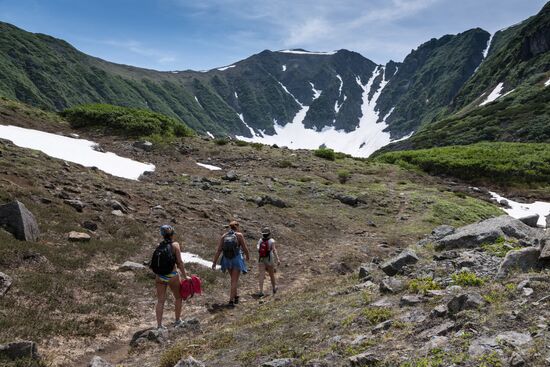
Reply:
x=218, y=252
x=242, y=242
x=276, y=253
x=179, y=262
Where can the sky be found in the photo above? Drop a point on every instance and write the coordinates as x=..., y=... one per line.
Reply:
x=204, y=34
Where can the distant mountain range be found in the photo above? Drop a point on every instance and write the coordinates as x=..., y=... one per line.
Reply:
x=444, y=92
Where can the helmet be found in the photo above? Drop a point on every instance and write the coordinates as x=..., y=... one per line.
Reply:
x=166, y=230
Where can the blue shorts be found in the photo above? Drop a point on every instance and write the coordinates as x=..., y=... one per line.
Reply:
x=235, y=263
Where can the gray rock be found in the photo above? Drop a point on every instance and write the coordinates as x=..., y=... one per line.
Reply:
x=131, y=266
x=513, y=338
x=482, y=345
x=545, y=252
x=360, y=339
x=530, y=220
x=364, y=359
x=347, y=199
x=439, y=311
x=231, y=176
x=281, y=362
x=117, y=213
x=99, y=362
x=395, y=264
x=365, y=271
x=385, y=325
x=516, y=360
x=19, y=221
x=189, y=362
x=89, y=225
x=410, y=300
x=382, y=302
x=442, y=231
x=117, y=205
x=439, y=330
x=150, y=334
x=78, y=236
x=5, y=283
x=265, y=200
x=465, y=301
x=487, y=231
x=524, y=259
x=143, y=145
x=391, y=285
x=17, y=350
x=78, y=205
x=436, y=342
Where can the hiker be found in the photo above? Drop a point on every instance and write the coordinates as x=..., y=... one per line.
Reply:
x=267, y=255
x=164, y=263
x=231, y=246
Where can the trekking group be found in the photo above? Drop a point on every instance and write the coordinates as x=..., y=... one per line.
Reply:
x=234, y=253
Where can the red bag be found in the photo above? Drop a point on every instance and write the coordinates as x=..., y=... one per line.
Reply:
x=190, y=287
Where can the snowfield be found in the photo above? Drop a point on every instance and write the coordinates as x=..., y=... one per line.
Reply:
x=209, y=166
x=520, y=210
x=298, y=52
x=78, y=151
x=368, y=137
x=493, y=95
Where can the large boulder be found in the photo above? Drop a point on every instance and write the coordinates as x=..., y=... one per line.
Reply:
x=19, y=221
x=487, y=231
x=99, y=362
x=465, y=301
x=524, y=259
x=17, y=350
x=530, y=220
x=395, y=264
x=5, y=283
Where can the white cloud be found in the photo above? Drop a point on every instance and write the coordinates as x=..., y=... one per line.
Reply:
x=139, y=48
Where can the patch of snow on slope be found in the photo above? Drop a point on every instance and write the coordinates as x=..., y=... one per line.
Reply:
x=368, y=137
x=486, y=51
x=78, y=151
x=493, y=95
x=196, y=99
x=236, y=95
x=298, y=52
x=316, y=92
x=188, y=257
x=209, y=166
x=547, y=83
x=284, y=67
x=520, y=210
x=336, y=105
x=226, y=67
x=210, y=134
x=247, y=126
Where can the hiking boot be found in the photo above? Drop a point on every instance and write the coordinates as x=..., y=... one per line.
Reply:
x=231, y=304
x=236, y=300
x=178, y=323
x=259, y=294
x=162, y=328
x=275, y=290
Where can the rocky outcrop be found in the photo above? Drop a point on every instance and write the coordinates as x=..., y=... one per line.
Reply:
x=17, y=350
x=19, y=221
x=524, y=260
x=5, y=283
x=465, y=301
x=265, y=200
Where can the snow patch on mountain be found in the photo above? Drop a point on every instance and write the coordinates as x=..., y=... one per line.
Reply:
x=196, y=99
x=547, y=83
x=520, y=210
x=368, y=137
x=284, y=67
x=486, y=51
x=493, y=95
x=302, y=52
x=210, y=134
x=226, y=67
x=316, y=92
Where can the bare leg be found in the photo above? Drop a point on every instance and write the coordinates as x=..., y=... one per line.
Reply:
x=235, y=273
x=175, y=287
x=161, y=298
x=271, y=272
x=261, y=278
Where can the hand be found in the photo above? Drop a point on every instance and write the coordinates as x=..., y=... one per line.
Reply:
x=214, y=266
x=278, y=262
x=187, y=277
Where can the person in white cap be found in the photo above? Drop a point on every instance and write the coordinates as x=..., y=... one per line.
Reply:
x=267, y=256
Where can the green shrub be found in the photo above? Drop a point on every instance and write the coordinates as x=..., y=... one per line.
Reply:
x=343, y=176
x=285, y=163
x=467, y=278
x=325, y=153
x=422, y=285
x=221, y=141
x=376, y=315
x=499, y=248
x=126, y=121
x=241, y=143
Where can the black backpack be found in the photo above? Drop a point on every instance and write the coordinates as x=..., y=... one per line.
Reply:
x=230, y=245
x=163, y=259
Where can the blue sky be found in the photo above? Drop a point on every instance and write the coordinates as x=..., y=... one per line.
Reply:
x=203, y=34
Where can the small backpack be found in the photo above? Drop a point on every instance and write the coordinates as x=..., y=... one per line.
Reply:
x=230, y=245
x=265, y=248
x=163, y=259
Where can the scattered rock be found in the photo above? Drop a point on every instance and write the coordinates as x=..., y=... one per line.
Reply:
x=78, y=205
x=347, y=199
x=189, y=362
x=142, y=336
x=89, y=225
x=442, y=231
x=545, y=252
x=391, y=285
x=19, y=221
x=385, y=325
x=516, y=360
x=513, y=338
x=530, y=220
x=410, y=300
x=465, y=301
x=231, y=176
x=78, y=236
x=341, y=268
x=365, y=271
x=264, y=200
x=143, y=145
x=482, y=345
x=281, y=362
x=383, y=302
x=117, y=205
x=131, y=266
x=117, y=213
x=364, y=359
x=99, y=362
x=439, y=311
x=395, y=264
x=524, y=259
x=17, y=350
x=438, y=330
x=436, y=342
x=5, y=283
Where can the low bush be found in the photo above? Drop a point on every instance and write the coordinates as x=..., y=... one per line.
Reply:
x=466, y=279
x=325, y=153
